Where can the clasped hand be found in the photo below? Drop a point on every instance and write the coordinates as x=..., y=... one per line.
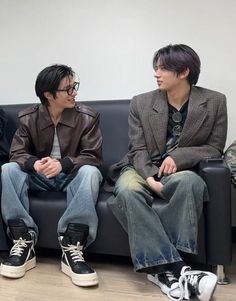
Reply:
x=48, y=166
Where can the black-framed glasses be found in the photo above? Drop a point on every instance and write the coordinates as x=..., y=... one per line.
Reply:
x=70, y=90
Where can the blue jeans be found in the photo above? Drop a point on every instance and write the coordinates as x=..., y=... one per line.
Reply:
x=156, y=235
x=82, y=191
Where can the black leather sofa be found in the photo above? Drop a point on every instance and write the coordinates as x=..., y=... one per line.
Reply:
x=46, y=207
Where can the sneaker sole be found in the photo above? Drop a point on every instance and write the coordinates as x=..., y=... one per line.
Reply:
x=80, y=279
x=210, y=290
x=163, y=287
x=17, y=271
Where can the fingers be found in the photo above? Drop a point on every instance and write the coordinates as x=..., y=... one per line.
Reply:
x=161, y=170
x=45, y=160
x=167, y=167
x=156, y=186
x=53, y=170
x=37, y=166
x=49, y=167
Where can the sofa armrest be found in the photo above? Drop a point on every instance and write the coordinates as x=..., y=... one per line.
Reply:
x=217, y=211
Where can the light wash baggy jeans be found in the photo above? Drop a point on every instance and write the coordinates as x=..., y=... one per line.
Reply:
x=155, y=236
x=82, y=191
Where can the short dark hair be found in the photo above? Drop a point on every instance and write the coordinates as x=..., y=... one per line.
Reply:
x=178, y=58
x=48, y=80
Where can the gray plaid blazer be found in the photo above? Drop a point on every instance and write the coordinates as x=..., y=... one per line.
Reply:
x=203, y=135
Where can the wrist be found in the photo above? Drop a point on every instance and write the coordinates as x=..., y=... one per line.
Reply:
x=66, y=164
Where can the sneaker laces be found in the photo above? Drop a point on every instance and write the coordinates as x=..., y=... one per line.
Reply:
x=172, y=279
x=188, y=282
x=76, y=252
x=19, y=246
x=187, y=278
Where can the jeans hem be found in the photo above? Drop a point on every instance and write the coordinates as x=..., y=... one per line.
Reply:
x=155, y=263
x=187, y=250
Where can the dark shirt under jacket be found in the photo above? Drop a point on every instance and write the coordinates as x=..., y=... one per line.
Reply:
x=175, y=125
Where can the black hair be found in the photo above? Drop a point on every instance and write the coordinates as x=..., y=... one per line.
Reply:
x=179, y=58
x=48, y=80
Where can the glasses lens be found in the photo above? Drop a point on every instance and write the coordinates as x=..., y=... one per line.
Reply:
x=72, y=89
x=177, y=117
x=177, y=129
x=76, y=86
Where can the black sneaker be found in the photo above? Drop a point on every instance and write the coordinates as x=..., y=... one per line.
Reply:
x=72, y=262
x=198, y=284
x=22, y=256
x=168, y=284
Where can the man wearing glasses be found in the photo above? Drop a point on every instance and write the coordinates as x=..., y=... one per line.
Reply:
x=57, y=147
x=171, y=130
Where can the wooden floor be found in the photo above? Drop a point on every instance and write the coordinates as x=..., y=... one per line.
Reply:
x=117, y=282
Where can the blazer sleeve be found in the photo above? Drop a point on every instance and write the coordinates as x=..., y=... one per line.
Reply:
x=189, y=156
x=138, y=154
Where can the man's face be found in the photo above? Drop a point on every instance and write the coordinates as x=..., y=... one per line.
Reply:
x=167, y=80
x=65, y=95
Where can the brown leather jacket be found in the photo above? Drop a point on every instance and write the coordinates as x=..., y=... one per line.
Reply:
x=78, y=133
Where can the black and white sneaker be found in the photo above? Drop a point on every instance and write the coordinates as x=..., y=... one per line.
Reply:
x=72, y=262
x=198, y=284
x=22, y=256
x=168, y=284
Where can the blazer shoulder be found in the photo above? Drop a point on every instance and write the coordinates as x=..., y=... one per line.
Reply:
x=28, y=111
x=82, y=108
x=145, y=99
x=146, y=95
x=208, y=93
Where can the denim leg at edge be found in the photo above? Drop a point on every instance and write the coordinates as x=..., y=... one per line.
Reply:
x=150, y=243
x=185, y=192
x=15, y=202
x=82, y=194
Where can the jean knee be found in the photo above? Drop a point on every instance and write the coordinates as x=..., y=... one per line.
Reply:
x=188, y=177
x=190, y=181
x=10, y=168
x=128, y=187
x=90, y=172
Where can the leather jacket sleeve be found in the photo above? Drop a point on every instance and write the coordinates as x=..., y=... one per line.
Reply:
x=21, y=149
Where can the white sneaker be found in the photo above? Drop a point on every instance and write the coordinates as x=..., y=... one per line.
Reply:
x=199, y=284
x=168, y=284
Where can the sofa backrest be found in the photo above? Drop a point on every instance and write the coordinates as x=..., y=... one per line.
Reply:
x=113, y=122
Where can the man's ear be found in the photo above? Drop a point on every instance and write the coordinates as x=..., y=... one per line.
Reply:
x=48, y=95
x=184, y=74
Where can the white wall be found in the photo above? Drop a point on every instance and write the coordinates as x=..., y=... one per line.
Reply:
x=110, y=43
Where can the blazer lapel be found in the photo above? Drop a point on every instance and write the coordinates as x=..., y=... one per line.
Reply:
x=196, y=115
x=158, y=120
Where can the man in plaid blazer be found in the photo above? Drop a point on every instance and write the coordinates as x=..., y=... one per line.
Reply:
x=171, y=130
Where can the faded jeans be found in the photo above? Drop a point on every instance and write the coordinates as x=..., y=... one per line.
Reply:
x=156, y=235
x=82, y=191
